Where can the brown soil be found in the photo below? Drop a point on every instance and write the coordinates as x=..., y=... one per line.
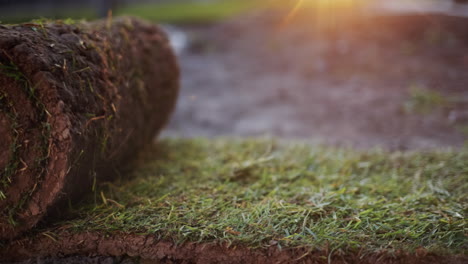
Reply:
x=78, y=101
x=151, y=250
x=5, y=154
x=81, y=260
x=346, y=84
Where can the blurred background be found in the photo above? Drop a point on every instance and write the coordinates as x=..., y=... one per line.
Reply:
x=360, y=73
x=180, y=11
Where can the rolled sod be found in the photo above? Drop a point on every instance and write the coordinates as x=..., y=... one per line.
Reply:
x=77, y=102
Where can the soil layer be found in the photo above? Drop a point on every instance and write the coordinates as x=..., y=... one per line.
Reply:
x=152, y=250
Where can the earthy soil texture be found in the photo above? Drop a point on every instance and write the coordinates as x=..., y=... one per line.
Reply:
x=77, y=102
x=150, y=249
x=81, y=260
x=390, y=81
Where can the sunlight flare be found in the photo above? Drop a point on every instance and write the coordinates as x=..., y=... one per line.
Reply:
x=293, y=12
x=324, y=11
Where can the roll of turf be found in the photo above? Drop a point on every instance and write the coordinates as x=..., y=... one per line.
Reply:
x=77, y=102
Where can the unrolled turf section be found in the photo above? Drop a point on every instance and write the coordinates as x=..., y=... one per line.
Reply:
x=255, y=201
x=77, y=102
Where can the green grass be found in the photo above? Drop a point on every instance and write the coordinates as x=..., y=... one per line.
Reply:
x=260, y=193
x=189, y=12
x=424, y=101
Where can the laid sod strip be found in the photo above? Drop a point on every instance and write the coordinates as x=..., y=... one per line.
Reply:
x=260, y=196
x=78, y=101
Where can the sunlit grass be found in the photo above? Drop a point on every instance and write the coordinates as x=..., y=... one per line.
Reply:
x=189, y=12
x=261, y=193
x=173, y=12
x=185, y=12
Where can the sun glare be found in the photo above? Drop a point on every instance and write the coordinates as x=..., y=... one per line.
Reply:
x=324, y=10
x=332, y=3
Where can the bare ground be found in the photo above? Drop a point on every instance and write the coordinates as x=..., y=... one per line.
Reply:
x=347, y=85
